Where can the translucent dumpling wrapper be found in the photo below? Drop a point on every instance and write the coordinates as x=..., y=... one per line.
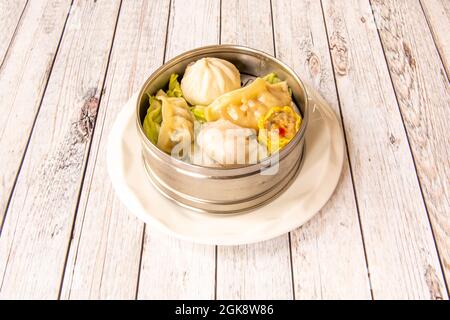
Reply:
x=177, y=127
x=229, y=144
x=245, y=106
x=207, y=79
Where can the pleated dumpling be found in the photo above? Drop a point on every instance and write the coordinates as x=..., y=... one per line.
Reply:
x=177, y=123
x=245, y=106
x=229, y=144
x=207, y=79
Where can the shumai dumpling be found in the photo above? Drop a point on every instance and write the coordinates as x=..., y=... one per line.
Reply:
x=207, y=79
x=177, y=123
x=245, y=106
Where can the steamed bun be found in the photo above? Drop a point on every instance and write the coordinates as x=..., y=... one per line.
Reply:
x=207, y=79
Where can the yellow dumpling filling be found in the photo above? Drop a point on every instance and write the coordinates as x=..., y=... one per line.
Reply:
x=278, y=127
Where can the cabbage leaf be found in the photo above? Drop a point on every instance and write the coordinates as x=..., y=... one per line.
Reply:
x=153, y=119
x=199, y=113
x=174, y=87
x=272, y=78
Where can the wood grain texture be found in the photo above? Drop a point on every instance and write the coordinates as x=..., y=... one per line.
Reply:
x=401, y=254
x=10, y=13
x=328, y=253
x=263, y=270
x=39, y=220
x=248, y=23
x=104, y=257
x=65, y=223
x=23, y=78
x=172, y=268
x=438, y=16
x=256, y=271
x=423, y=93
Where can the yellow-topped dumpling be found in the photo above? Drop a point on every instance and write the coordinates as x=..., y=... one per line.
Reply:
x=278, y=127
x=246, y=105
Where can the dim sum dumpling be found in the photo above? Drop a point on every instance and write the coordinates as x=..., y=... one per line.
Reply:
x=229, y=144
x=177, y=122
x=208, y=78
x=245, y=106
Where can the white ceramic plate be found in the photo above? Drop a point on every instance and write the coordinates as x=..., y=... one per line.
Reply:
x=314, y=185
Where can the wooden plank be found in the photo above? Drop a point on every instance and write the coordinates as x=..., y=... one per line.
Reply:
x=438, y=16
x=104, y=257
x=248, y=23
x=10, y=13
x=263, y=270
x=401, y=254
x=39, y=220
x=256, y=271
x=172, y=268
x=23, y=77
x=328, y=253
x=423, y=93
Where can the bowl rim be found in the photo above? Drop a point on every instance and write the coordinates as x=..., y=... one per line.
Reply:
x=200, y=171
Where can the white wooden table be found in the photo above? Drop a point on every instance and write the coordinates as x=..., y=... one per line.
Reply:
x=66, y=69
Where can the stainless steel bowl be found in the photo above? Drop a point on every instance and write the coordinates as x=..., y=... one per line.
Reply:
x=223, y=190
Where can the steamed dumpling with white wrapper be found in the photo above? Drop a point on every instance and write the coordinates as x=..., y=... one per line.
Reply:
x=261, y=114
x=229, y=144
x=245, y=106
x=207, y=79
x=177, y=123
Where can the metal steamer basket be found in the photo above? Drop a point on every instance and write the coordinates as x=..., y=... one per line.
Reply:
x=223, y=190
